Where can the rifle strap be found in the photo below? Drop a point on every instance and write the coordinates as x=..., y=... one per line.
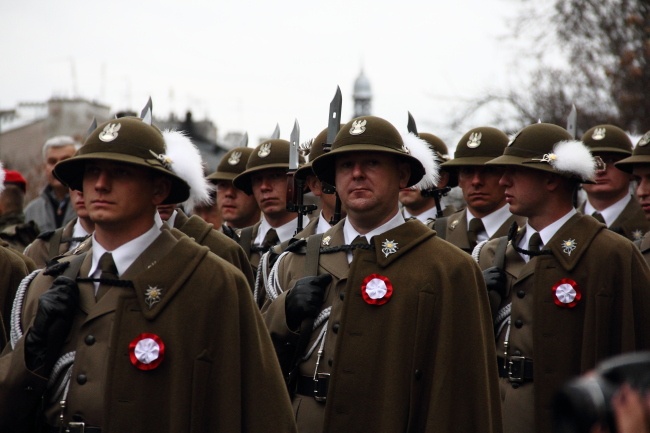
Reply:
x=440, y=226
x=55, y=243
x=246, y=239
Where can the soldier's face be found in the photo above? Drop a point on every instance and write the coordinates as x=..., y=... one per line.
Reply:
x=77, y=200
x=611, y=182
x=524, y=191
x=641, y=173
x=270, y=191
x=122, y=196
x=234, y=205
x=368, y=184
x=481, y=189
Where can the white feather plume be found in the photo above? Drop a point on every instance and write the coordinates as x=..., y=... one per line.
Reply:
x=187, y=163
x=420, y=150
x=572, y=156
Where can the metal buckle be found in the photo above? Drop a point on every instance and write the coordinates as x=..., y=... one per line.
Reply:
x=516, y=369
x=321, y=383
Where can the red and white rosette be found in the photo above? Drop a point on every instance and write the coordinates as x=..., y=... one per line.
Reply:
x=376, y=289
x=146, y=351
x=566, y=293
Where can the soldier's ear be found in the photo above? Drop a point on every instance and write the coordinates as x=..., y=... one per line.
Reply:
x=161, y=188
x=404, y=169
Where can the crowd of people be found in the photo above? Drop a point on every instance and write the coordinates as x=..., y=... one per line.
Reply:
x=142, y=293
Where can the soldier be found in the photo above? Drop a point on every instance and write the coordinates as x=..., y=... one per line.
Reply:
x=638, y=164
x=383, y=354
x=188, y=164
x=422, y=204
x=146, y=331
x=52, y=209
x=265, y=178
x=51, y=244
x=486, y=215
x=609, y=199
x=574, y=293
x=237, y=209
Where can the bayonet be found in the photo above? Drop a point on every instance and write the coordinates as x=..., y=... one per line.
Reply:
x=334, y=123
x=294, y=143
x=91, y=128
x=244, y=140
x=147, y=112
x=276, y=132
x=572, y=122
x=412, y=128
x=295, y=185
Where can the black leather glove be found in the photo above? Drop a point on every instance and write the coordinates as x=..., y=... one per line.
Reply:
x=305, y=299
x=495, y=280
x=56, y=310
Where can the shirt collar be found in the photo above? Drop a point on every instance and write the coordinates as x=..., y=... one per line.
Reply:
x=611, y=213
x=429, y=214
x=124, y=255
x=284, y=232
x=323, y=224
x=350, y=233
x=547, y=233
x=491, y=222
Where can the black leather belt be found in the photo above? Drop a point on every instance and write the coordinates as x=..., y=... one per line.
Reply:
x=517, y=369
x=75, y=427
x=317, y=388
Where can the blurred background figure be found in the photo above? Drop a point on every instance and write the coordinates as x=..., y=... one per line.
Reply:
x=13, y=228
x=52, y=209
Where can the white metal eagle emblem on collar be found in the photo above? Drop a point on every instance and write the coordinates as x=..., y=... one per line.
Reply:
x=265, y=150
x=110, y=132
x=234, y=158
x=358, y=127
x=388, y=247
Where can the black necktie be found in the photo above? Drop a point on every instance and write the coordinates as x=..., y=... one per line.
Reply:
x=535, y=242
x=270, y=239
x=360, y=240
x=475, y=227
x=109, y=272
x=599, y=217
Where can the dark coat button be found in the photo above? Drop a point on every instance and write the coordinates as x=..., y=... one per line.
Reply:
x=418, y=374
x=342, y=295
x=521, y=294
x=330, y=362
x=519, y=323
x=335, y=328
x=81, y=379
x=90, y=340
x=517, y=353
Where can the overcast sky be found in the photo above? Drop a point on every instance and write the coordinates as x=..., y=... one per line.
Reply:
x=250, y=64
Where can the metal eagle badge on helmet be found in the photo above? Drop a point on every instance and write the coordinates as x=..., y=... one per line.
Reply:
x=109, y=132
x=645, y=139
x=234, y=158
x=265, y=150
x=358, y=127
x=599, y=133
x=474, y=140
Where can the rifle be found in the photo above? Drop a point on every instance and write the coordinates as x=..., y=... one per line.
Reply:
x=296, y=185
x=333, y=126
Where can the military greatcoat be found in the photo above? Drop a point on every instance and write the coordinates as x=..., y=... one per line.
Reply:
x=630, y=223
x=607, y=314
x=218, y=372
x=456, y=228
x=223, y=246
x=421, y=362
